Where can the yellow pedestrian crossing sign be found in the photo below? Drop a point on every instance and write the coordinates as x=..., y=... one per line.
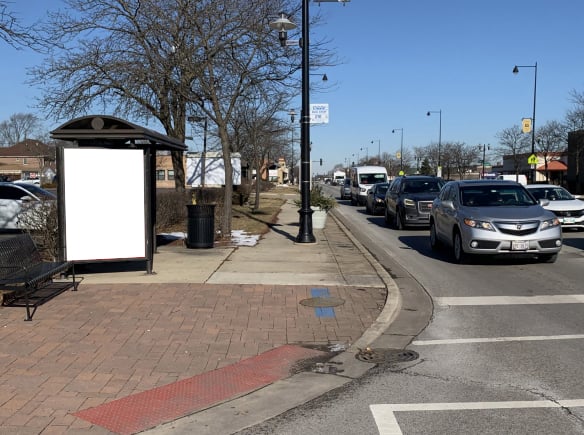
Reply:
x=532, y=160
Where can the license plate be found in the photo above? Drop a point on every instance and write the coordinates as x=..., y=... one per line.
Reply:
x=568, y=220
x=517, y=245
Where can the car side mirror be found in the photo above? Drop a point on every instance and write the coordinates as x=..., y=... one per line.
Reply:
x=447, y=203
x=544, y=202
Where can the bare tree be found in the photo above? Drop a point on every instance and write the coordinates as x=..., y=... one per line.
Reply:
x=513, y=142
x=19, y=127
x=14, y=33
x=166, y=59
x=462, y=156
x=551, y=140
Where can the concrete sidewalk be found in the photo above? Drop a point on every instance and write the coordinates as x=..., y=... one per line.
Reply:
x=204, y=345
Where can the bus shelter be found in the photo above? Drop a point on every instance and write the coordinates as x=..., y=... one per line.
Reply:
x=106, y=174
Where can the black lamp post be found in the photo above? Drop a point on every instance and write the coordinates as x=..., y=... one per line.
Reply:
x=282, y=25
x=485, y=147
x=516, y=71
x=401, y=149
x=292, y=114
x=439, y=169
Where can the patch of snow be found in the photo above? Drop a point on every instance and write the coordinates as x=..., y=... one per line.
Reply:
x=238, y=237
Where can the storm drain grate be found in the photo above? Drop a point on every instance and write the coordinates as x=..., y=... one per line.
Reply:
x=322, y=302
x=378, y=356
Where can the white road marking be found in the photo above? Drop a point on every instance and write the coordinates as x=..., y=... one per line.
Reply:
x=384, y=414
x=497, y=339
x=510, y=300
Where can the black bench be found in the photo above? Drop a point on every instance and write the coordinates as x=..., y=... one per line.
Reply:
x=26, y=280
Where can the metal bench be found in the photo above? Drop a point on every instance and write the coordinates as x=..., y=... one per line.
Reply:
x=26, y=280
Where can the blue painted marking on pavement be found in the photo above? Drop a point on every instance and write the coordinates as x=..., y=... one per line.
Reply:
x=319, y=311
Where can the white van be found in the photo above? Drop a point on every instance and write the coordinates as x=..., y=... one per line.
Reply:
x=520, y=178
x=362, y=178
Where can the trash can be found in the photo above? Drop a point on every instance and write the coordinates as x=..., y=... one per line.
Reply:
x=200, y=225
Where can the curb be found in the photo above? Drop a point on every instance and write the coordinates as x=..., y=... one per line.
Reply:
x=268, y=402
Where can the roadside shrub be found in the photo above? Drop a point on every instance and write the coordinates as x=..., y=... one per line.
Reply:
x=41, y=221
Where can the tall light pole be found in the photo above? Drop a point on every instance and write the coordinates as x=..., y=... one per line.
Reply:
x=516, y=71
x=378, y=150
x=485, y=147
x=401, y=149
x=439, y=169
x=282, y=25
x=292, y=114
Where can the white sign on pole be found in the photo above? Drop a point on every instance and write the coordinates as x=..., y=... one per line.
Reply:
x=319, y=113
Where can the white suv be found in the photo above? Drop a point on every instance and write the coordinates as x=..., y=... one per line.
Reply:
x=568, y=209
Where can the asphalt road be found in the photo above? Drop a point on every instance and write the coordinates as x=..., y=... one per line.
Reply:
x=502, y=352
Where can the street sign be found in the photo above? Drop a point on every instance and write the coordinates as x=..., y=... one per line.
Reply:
x=319, y=113
x=526, y=125
x=532, y=160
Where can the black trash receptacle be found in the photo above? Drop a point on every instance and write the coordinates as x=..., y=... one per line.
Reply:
x=200, y=225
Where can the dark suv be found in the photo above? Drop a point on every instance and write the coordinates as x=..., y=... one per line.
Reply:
x=408, y=200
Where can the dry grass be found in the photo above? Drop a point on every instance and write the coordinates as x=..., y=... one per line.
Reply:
x=172, y=213
x=251, y=221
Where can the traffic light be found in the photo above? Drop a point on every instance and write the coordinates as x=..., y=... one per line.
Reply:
x=320, y=162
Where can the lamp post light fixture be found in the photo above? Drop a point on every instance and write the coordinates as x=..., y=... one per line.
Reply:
x=439, y=169
x=401, y=150
x=516, y=71
x=378, y=150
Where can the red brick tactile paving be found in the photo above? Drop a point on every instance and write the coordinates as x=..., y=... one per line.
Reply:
x=150, y=408
x=107, y=342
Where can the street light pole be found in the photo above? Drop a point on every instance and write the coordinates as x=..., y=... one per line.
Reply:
x=439, y=169
x=516, y=71
x=401, y=149
x=283, y=24
x=485, y=147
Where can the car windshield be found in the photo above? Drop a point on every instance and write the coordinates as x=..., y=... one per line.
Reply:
x=495, y=196
x=371, y=178
x=421, y=186
x=551, y=193
x=381, y=189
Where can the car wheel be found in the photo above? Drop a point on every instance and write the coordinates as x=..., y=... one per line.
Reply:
x=367, y=209
x=353, y=202
x=399, y=224
x=548, y=258
x=460, y=256
x=434, y=242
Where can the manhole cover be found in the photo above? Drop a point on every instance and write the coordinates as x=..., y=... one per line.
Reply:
x=378, y=356
x=322, y=302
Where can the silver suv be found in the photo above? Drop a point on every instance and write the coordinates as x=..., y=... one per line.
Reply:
x=493, y=217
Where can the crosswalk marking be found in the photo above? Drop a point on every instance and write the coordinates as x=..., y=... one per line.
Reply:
x=497, y=339
x=509, y=300
x=384, y=414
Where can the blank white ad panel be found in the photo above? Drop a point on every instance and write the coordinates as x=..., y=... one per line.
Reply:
x=104, y=204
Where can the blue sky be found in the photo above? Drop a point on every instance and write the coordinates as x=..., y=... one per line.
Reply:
x=402, y=59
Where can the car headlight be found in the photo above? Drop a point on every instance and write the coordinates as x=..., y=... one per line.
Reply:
x=379, y=201
x=549, y=223
x=409, y=203
x=482, y=225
